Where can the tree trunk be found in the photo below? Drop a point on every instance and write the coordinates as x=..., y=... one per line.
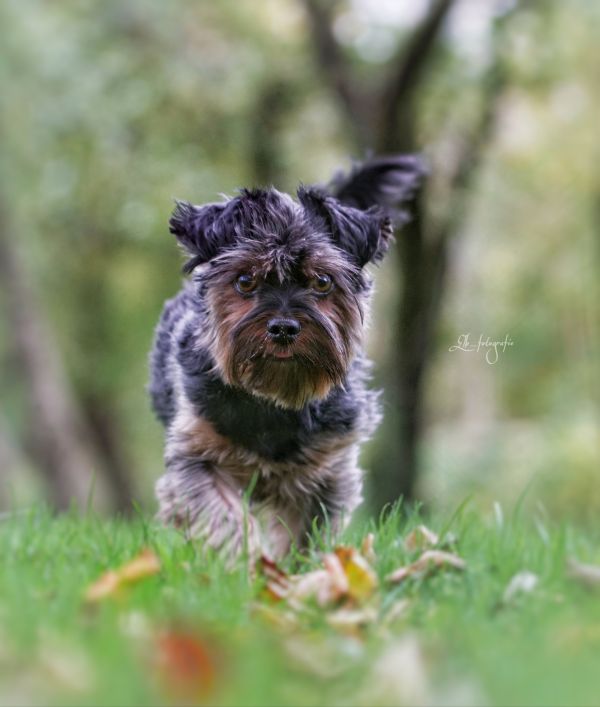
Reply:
x=387, y=120
x=58, y=439
x=274, y=101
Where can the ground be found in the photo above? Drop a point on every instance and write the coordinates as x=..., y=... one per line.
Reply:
x=179, y=627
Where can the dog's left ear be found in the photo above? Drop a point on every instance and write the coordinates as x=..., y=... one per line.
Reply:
x=364, y=235
x=200, y=231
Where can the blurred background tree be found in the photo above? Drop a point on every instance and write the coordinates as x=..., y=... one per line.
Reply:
x=110, y=111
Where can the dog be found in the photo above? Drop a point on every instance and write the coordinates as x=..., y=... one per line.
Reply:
x=257, y=367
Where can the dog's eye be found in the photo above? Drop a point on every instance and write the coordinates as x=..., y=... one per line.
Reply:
x=245, y=284
x=323, y=284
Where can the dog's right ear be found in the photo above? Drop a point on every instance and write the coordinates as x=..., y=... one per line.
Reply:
x=200, y=230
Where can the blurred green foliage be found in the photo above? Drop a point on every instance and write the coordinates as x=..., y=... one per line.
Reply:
x=110, y=110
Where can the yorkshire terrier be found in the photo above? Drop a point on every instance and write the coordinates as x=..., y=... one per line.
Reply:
x=257, y=369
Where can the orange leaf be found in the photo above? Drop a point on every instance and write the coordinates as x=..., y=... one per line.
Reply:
x=110, y=583
x=104, y=587
x=186, y=665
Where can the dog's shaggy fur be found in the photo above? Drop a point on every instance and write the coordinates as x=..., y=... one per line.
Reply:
x=257, y=368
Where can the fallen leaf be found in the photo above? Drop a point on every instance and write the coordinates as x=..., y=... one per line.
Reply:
x=63, y=665
x=317, y=585
x=588, y=575
x=367, y=548
x=337, y=576
x=186, y=665
x=430, y=560
x=420, y=538
x=106, y=586
x=345, y=574
x=110, y=583
x=136, y=625
x=327, y=585
x=398, y=676
x=522, y=583
x=144, y=565
x=361, y=579
x=324, y=657
x=351, y=620
x=278, y=583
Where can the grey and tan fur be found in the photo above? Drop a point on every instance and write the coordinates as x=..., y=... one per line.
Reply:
x=257, y=369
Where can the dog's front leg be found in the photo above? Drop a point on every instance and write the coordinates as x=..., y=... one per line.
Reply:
x=197, y=497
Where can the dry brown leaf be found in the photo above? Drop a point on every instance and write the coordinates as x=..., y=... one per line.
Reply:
x=398, y=676
x=420, y=538
x=313, y=585
x=278, y=584
x=186, y=665
x=429, y=561
x=588, y=575
x=345, y=574
x=144, y=565
x=106, y=586
x=367, y=548
x=62, y=665
x=327, y=586
x=361, y=579
x=110, y=583
x=337, y=576
x=352, y=620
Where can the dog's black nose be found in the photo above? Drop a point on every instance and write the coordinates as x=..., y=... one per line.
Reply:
x=283, y=331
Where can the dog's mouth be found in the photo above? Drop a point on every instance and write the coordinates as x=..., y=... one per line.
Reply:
x=274, y=352
x=290, y=373
x=283, y=354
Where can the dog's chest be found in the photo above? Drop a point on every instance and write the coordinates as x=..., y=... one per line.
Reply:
x=262, y=428
x=272, y=433
x=291, y=480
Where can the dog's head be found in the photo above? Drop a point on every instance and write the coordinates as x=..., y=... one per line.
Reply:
x=283, y=285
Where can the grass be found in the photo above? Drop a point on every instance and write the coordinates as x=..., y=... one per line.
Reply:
x=456, y=641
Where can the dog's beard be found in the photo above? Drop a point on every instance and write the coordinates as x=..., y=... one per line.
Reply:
x=290, y=376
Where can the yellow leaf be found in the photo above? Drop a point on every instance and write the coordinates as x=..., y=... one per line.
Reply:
x=362, y=580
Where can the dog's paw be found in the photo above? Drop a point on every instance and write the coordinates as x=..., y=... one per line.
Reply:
x=217, y=518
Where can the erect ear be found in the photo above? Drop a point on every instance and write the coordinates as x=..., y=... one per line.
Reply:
x=200, y=230
x=364, y=235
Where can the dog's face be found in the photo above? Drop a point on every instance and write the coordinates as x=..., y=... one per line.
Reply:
x=283, y=286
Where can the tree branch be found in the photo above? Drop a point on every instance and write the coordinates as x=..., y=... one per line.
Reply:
x=335, y=67
x=396, y=95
